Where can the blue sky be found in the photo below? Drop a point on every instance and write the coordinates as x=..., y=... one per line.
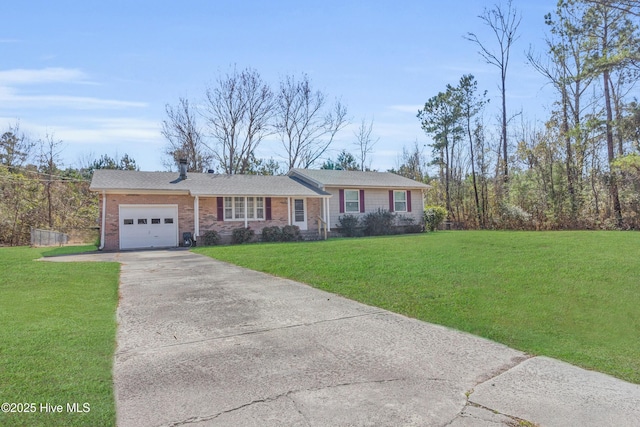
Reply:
x=97, y=75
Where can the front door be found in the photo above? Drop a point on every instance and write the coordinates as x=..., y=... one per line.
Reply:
x=300, y=213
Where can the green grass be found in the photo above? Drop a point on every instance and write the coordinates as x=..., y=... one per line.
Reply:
x=57, y=338
x=67, y=250
x=574, y=296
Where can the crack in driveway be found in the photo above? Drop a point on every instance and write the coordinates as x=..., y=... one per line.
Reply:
x=239, y=334
x=268, y=399
x=516, y=421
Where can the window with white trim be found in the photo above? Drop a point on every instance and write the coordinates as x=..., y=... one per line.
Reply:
x=234, y=208
x=250, y=208
x=400, y=201
x=351, y=200
x=238, y=208
x=259, y=207
x=228, y=208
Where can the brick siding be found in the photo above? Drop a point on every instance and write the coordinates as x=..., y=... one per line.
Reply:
x=112, y=235
x=207, y=213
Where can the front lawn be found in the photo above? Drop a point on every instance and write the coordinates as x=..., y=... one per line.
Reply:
x=57, y=339
x=574, y=296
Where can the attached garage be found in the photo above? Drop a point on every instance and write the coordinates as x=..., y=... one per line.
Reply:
x=148, y=226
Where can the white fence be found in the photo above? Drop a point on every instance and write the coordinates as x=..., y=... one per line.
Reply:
x=47, y=237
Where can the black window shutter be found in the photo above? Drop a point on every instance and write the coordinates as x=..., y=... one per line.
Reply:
x=220, y=206
x=267, y=208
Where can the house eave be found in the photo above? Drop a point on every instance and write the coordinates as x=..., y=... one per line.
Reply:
x=138, y=191
x=380, y=187
x=310, y=196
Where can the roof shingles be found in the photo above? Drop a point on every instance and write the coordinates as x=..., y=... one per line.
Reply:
x=341, y=178
x=202, y=184
x=298, y=183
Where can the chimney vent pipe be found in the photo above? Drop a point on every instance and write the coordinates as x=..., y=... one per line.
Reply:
x=183, y=168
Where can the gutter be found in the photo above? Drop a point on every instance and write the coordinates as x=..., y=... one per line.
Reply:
x=104, y=219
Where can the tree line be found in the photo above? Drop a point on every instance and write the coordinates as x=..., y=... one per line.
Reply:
x=580, y=168
x=35, y=191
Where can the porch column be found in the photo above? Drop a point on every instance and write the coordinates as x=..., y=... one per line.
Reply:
x=196, y=218
x=326, y=213
x=289, y=210
x=246, y=220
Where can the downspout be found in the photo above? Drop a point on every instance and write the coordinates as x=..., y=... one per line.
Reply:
x=196, y=218
x=104, y=219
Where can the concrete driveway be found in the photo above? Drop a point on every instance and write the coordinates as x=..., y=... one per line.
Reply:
x=205, y=343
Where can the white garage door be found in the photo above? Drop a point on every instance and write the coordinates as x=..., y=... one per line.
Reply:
x=148, y=226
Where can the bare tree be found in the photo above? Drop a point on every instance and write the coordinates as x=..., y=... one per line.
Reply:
x=306, y=129
x=50, y=151
x=365, y=142
x=238, y=111
x=15, y=147
x=504, y=25
x=411, y=163
x=185, y=138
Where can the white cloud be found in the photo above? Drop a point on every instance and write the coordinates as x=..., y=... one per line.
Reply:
x=22, y=76
x=91, y=130
x=75, y=102
x=105, y=131
x=9, y=96
x=406, y=108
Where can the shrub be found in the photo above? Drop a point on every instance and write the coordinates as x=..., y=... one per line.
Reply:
x=434, y=216
x=378, y=223
x=291, y=233
x=349, y=226
x=610, y=224
x=408, y=224
x=513, y=217
x=211, y=238
x=271, y=234
x=242, y=235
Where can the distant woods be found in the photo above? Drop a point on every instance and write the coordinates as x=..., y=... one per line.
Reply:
x=579, y=168
x=35, y=191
